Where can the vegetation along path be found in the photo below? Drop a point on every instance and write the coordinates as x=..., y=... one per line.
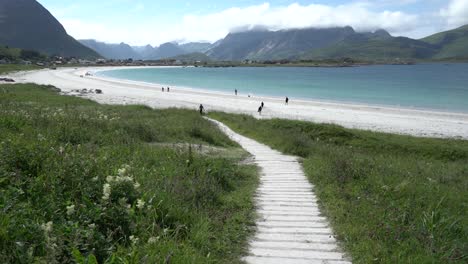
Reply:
x=290, y=228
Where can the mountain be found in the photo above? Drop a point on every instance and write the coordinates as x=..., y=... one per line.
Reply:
x=192, y=57
x=144, y=52
x=451, y=44
x=166, y=50
x=272, y=45
x=111, y=51
x=26, y=24
x=193, y=47
x=379, y=45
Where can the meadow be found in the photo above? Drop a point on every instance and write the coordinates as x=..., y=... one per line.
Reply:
x=390, y=198
x=87, y=183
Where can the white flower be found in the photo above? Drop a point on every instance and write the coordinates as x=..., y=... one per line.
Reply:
x=70, y=209
x=47, y=227
x=92, y=226
x=106, y=190
x=136, y=185
x=152, y=240
x=122, y=171
x=134, y=239
x=109, y=178
x=140, y=204
x=95, y=179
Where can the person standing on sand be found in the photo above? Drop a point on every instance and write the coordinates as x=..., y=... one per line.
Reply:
x=235, y=91
x=162, y=89
x=201, y=109
x=168, y=89
x=260, y=110
x=262, y=105
x=287, y=100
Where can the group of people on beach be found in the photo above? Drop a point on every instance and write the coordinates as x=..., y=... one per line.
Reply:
x=201, y=108
x=168, y=89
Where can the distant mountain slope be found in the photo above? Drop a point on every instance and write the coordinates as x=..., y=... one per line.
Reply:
x=451, y=44
x=144, y=51
x=167, y=50
x=193, y=47
x=111, y=51
x=375, y=46
x=26, y=24
x=284, y=44
x=192, y=57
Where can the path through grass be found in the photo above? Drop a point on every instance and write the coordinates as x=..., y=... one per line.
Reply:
x=390, y=198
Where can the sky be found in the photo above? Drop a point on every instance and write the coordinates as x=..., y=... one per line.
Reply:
x=142, y=22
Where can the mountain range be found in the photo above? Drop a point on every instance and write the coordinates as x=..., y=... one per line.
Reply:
x=26, y=24
x=125, y=51
x=306, y=44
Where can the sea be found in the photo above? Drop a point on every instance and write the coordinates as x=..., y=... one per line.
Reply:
x=440, y=87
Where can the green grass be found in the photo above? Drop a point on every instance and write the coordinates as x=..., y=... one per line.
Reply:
x=7, y=68
x=69, y=175
x=390, y=198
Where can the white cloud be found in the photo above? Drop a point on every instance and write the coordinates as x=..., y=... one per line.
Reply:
x=456, y=13
x=214, y=26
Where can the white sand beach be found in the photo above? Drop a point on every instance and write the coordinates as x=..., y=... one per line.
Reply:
x=386, y=119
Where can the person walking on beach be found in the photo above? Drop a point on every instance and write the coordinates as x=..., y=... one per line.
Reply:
x=260, y=110
x=162, y=89
x=287, y=100
x=235, y=91
x=262, y=105
x=168, y=89
x=201, y=108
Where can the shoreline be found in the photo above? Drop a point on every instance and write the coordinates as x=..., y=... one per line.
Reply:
x=416, y=122
x=298, y=100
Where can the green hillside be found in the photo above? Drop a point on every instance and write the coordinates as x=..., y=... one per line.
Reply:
x=26, y=24
x=371, y=48
x=192, y=57
x=452, y=43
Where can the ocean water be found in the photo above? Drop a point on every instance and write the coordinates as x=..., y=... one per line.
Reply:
x=423, y=86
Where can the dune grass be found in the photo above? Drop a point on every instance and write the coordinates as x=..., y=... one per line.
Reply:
x=390, y=198
x=7, y=68
x=84, y=183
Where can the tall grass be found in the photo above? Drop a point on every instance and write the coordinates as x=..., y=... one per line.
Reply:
x=83, y=182
x=390, y=198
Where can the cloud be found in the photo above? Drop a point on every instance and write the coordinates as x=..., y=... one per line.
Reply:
x=456, y=13
x=216, y=25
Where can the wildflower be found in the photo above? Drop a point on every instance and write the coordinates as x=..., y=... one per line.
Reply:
x=47, y=227
x=134, y=239
x=92, y=226
x=152, y=240
x=140, y=204
x=70, y=209
x=109, y=178
x=106, y=190
x=95, y=179
x=61, y=150
x=136, y=185
x=122, y=171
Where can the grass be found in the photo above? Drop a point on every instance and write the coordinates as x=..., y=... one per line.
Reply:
x=85, y=183
x=390, y=198
x=7, y=68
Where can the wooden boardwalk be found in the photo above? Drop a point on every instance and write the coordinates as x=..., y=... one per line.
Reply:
x=290, y=228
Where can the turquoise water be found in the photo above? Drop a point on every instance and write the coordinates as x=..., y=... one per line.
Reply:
x=423, y=86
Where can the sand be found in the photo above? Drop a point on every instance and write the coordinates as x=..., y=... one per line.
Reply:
x=385, y=119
